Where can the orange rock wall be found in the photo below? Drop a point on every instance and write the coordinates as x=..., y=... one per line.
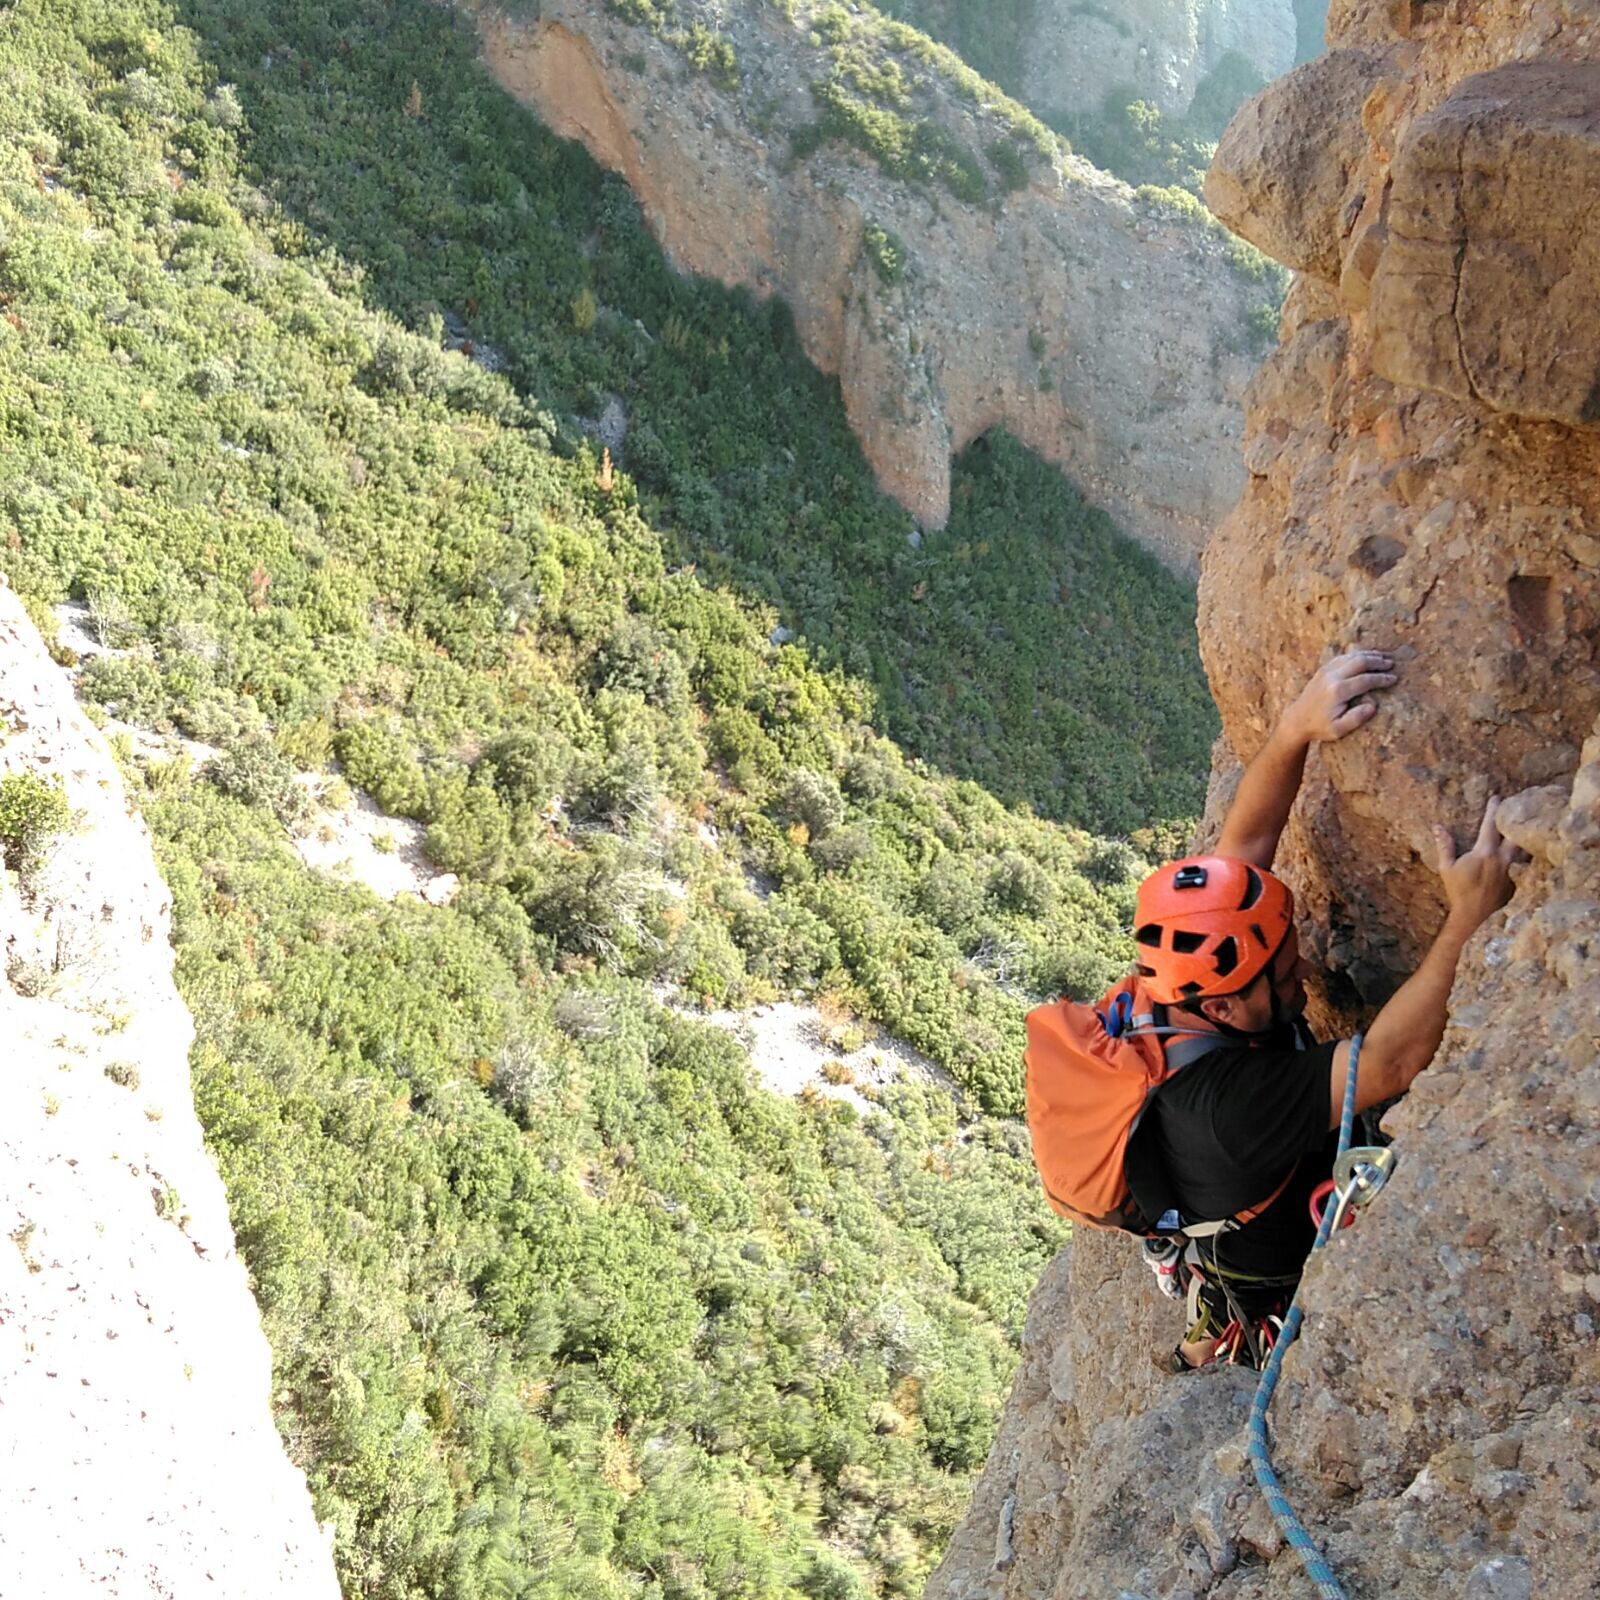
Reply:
x=1423, y=467
x=1106, y=337
x=1405, y=488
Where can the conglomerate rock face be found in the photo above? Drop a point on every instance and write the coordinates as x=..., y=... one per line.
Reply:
x=1160, y=49
x=140, y=1456
x=1107, y=337
x=1423, y=455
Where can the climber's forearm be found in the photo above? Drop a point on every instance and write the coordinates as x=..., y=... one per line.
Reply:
x=1266, y=794
x=1332, y=705
x=1405, y=1034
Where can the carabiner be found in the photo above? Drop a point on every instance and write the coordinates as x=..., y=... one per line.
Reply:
x=1327, y=1191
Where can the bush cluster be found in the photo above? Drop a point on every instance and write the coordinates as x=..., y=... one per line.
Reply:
x=562, y=1303
x=874, y=96
x=33, y=810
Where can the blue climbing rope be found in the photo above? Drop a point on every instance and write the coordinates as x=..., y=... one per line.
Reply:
x=1317, y=1568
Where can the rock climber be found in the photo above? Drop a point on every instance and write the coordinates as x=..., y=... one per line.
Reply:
x=1248, y=1129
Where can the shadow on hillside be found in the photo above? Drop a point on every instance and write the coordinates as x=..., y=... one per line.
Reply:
x=1029, y=647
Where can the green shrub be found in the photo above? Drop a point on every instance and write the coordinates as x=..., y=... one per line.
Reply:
x=527, y=768
x=308, y=744
x=959, y=1423
x=600, y=902
x=1173, y=201
x=521, y=1076
x=470, y=832
x=1262, y=325
x=1019, y=884
x=1010, y=161
x=885, y=251
x=259, y=774
x=386, y=766
x=829, y=1578
x=33, y=810
x=844, y=849
x=503, y=921
x=620, y=790
x=1081, y=974
x=1110, y=861
x=637, y=658
x=870, y=775
x=711, y=53
x=950, y=896
x=129, y=687
x=813, y=800
x=738, y=739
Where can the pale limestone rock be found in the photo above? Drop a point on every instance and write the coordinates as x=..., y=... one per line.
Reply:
x=139, y=1456
x=441, y=890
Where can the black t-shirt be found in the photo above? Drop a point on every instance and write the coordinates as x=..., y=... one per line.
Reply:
x=1220, y=1136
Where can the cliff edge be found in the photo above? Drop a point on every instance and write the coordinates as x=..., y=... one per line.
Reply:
x=1004, y=286
x=140, y=1457
x=1423, y=454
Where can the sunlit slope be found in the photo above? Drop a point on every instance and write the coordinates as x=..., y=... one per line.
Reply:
x=562, y=1304
x=1028, y=646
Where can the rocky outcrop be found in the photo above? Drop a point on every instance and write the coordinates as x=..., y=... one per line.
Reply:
x=1103, y=335
x=1488, y=287
x=141, y=1457
x=1160, y=49
x=1423, y=475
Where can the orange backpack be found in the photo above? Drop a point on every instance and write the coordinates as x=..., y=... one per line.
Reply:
x=1090, y=1073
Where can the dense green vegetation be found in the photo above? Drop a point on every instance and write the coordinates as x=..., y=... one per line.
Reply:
x=563, y=1305
x=991, y=36
x=1164, y=158
x=1125, y=135
x=481, y=216
x=300, y=325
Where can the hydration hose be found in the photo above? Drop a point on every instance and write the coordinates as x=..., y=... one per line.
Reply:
x=1364, y=1173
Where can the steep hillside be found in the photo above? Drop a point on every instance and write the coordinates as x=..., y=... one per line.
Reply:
x=1062, y=57
x=1423, y=476
x=939, y=253
x=1162, y=50
x=476, y=227
x=1143, y=91
x=137, y=1380
x=304, y=327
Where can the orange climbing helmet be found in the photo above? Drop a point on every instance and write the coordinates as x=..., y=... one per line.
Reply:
x=1208, y=925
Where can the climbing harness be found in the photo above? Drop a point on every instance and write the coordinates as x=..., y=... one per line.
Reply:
x=1358, y=1175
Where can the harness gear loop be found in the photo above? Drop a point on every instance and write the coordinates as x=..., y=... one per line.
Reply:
x=1367, y=1172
